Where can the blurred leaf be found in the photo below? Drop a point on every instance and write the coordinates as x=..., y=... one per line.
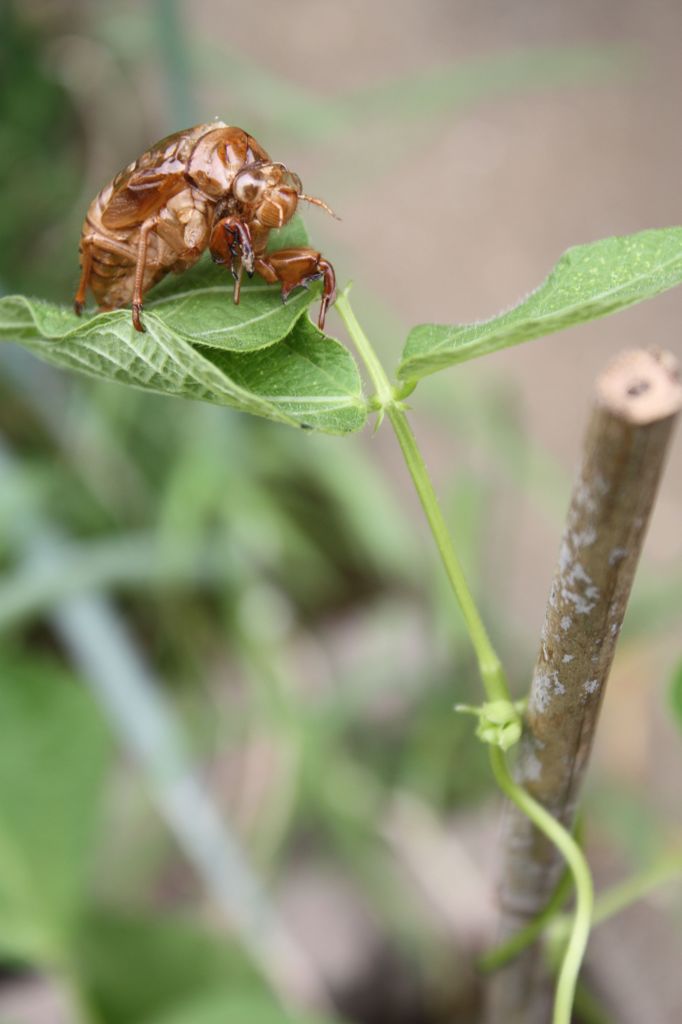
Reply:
x=675, y=695
x=373, y=525
x=134, y=560
x=288, y=112
x=230, y=1007
x=136, y=967
x=306, y=379
x=627, y=818
x=172, y=40
x=433, y=90
x=53, y=753
x=656, y=603
x=589, y=281
x=39, y=143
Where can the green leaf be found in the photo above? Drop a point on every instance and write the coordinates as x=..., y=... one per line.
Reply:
x=308, y=377
x=675, y=696
x=198, y=304
x=230, y=1007
x=136, y=967
x=262, y=357
x=203, y=312
x=53, y=754
x=588, y=282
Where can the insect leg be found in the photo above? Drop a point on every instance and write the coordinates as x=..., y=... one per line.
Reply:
x=294, y=267
x=245, y=249
x=231, y=242
x=237, y=275
x=86, y=270
x=139, y=271
x=90, y=244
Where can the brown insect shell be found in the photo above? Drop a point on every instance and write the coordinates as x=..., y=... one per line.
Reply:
x=277, y=209
x=217, y=158
x=267, y=194
x=156, y=216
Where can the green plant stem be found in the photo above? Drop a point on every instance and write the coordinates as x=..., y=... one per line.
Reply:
x=489, y=664
x=384, y=395
x=573, y=855
x=497, y=957
x=620, y=897
x=506, y=951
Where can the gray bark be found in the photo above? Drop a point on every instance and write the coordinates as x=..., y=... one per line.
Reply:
x=637, y=401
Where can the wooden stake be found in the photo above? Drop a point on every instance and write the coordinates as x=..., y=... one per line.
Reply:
x=637, y=401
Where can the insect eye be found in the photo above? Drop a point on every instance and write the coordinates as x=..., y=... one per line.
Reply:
x=293, y=181
x=248, y=186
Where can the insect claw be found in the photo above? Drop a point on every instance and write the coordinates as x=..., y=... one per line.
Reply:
x=322, y=315
x=78, y=307
x=236, y=294
x=137, y=323
x=287, y=289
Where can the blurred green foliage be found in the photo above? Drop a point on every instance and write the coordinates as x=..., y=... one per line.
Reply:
x=52, y=764
x=275, y=582
x=676, y=694
x=40, y=157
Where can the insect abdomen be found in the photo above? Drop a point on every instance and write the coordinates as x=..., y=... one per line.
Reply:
x=176, y=243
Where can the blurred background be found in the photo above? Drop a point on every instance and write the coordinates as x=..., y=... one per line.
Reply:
x=229, y=765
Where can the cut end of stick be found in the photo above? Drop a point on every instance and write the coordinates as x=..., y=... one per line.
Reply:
x=641, y=386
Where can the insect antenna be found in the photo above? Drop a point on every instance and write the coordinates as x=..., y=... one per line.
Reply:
x=318, y=202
